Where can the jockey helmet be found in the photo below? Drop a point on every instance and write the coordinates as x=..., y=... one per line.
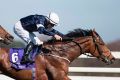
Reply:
x=53, y=17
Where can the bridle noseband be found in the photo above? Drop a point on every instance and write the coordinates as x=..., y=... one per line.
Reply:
x=102, y=56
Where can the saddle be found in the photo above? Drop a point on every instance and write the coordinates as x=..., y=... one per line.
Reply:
x=16, y=55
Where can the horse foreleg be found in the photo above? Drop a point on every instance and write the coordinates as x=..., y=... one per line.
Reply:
x=42, y=76
x=40, y=68
x=66, y=78
x=60, y=75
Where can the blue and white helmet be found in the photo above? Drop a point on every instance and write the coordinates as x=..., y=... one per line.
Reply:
x=53, y=17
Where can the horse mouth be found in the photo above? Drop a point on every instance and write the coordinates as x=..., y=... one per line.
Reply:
x=109, y=61
x=112, y=60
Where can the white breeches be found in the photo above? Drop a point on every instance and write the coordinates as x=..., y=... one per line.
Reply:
x=25, y=35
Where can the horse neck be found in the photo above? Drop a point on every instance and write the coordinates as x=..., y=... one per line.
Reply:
x=67, y=50
x=83, y=45
x=86, y=44
x=70, y=50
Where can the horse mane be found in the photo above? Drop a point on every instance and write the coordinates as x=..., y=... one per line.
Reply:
x=74, y=34
x=78, y=33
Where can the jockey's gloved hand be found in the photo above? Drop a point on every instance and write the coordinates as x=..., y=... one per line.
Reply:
x=57, y=37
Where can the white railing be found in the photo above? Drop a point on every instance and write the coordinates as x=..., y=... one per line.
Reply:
x=93, y=78
x=94, y=69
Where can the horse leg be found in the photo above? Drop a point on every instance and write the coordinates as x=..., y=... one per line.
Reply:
x=58, y=74
x=41, y=75
x=40, y=68
x=57, y=68
x=61, y=75
x=65, y=77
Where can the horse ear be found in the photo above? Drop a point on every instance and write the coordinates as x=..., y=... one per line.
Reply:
x=94, y=32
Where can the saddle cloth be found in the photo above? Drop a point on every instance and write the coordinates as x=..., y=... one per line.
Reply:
x=15, y=59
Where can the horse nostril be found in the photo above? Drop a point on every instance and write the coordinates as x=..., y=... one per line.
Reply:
x=113, y=59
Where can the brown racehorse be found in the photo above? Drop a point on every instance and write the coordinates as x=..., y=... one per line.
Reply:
x=5, y=37
x=54, y=63
x=61, y=54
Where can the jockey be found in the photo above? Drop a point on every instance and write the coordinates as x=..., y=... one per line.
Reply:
x=25, y=27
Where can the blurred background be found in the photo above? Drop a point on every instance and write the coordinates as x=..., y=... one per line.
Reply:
x=103, y=15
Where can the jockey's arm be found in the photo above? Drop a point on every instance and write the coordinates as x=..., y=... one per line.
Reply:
x=58, y=33
x=42, y=30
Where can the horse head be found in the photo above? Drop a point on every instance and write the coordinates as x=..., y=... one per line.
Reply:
x=5, y=37
x=100, y=49
x=89, y=41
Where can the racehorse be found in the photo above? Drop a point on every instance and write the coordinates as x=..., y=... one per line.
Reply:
x=53, y=63
x=5, y=37
x=61, y=54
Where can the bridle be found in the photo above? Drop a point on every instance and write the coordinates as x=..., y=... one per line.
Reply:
x=101, y=55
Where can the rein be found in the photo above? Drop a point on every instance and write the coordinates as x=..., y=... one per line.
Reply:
x=100, y=51
x=81, y=51
x=65, y=40
x=60, y=57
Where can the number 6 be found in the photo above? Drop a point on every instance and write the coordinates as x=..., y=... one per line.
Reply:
x=15, y=57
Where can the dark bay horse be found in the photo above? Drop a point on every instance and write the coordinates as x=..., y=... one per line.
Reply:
x=54, y=63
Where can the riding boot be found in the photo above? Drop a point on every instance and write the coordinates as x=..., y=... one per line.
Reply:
x=37, y=50
x=25, y=58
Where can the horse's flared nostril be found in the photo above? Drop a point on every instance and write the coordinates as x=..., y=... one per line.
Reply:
x=112, y=60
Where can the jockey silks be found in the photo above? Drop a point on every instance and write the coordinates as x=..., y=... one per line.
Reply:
x=30, y=22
